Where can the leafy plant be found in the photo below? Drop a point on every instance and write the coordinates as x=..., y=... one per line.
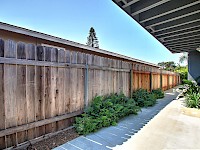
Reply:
x=158, y=93
x=193, y=100
x=144, y=98
x=192, y=94
x=105, y=111
x=190, y=87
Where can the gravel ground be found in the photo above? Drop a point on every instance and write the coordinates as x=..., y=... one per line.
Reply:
x=54, y=141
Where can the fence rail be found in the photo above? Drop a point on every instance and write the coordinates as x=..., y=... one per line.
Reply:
x=43, y=88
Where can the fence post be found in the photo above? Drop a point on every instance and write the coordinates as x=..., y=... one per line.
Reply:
x=131, y=82
x=161, y=81
x=168, y=77
x=86, y=86
x=151, y=81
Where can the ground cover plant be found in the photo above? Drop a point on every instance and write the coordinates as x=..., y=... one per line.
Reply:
x=144, y=98
x=105, y=111
x=158, y=93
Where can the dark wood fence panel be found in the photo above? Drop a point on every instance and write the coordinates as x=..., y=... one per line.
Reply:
x=42, y=88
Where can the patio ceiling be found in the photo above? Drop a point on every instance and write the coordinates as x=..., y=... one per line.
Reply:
x=175, y=23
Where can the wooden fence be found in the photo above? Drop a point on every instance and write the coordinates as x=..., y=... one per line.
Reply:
x=42, y=89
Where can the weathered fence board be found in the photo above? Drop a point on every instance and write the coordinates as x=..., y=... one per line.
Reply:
x=21, y=93
x=42, y=88
x=30, y=90
x=10, y=86
x=40, y=92
x=2, y=100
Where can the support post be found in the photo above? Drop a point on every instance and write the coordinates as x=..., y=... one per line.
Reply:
x=168, y=86
x=86, y=86
x=151, y=81
x=161, y=81
x=131, y=83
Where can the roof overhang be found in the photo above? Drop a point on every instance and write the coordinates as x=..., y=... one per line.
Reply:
x=175, y=23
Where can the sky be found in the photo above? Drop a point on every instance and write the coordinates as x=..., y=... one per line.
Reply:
x=71, y=19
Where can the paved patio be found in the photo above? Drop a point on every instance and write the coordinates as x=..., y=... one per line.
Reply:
x=122, y=134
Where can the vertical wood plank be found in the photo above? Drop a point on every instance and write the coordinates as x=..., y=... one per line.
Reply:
x=30, y=89
x=10, y=86
x=2, y=100
x=48, y=94
x=60, y=100
x=90, y=76
x=21, y=93
x=67, y=87
x=40, y=91
x=73, y=82
x=54, y=88
x=80, y=83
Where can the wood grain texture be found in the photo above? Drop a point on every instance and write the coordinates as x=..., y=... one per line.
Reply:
x=40, y=91
x=10, y=87
x=40, y=86
x=30, y=89
x=2, y=100
x=60, y=97
x=48, y=90
x=21, y=93
x=73, y=83
x=38, y=123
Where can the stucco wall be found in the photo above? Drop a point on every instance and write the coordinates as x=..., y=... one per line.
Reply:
x=194, y=65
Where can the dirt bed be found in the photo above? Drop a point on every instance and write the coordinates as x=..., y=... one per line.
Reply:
x=54, y=141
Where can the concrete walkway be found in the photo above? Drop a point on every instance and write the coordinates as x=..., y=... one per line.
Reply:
x=120, y=136
x=175, y=127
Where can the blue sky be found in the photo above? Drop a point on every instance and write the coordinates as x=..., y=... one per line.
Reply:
x=72, y=19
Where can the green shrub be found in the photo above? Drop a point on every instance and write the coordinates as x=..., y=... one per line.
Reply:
x=192, y=94
x=144, y=98
x=190, y=87
x=158, y=93
x=105, y=111
x=193, y=100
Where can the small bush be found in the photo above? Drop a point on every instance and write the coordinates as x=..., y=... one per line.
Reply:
x=193, y=100
x=191, y=92
x=105, y=111
x=190, y=87
x=144, y=98
x=158, y=93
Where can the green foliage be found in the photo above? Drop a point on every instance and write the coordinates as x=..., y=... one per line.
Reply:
x=105, y=111
x=193, y=100
x=158, y=93
x=190, y=87
x=192, y=94
x=183, y=71
x=170, y=66
x=144, y=98
x=92, y=39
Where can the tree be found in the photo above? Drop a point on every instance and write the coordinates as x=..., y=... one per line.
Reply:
x=183, y=58
x=92, y=39
x=170, y=65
